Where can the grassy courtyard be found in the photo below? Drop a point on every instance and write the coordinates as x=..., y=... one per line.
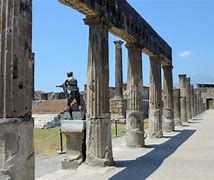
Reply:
x=47, y=141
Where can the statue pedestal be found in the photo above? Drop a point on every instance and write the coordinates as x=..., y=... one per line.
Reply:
x=75, y=132
x=117, y=109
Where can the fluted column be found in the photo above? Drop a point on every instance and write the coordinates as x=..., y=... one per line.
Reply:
x=182, y=85
x=155, y=100
x=168, y=112
x=99, y=146
x=118, y=70
x=188, y=98
x=177, y=107
x=134, y=118
x=134, y=81
x=117, y=108
x=16, y=123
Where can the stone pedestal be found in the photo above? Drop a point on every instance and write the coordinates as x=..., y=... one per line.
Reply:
x=16, y=148
x=177, y=107
x=117, y=109
x=182, y=85
x=155, y=100
x=134, y=117
x=98, y=134
x=168, y=113
x=75, y=132
x=135, y=129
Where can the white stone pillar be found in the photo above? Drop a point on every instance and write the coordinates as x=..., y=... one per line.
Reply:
x=155, y=100
x=188, y=99
x=168, y=110
x=182, y=84
x=134, y=118
x=98, y=133
x=117, y=102
x=177, y=108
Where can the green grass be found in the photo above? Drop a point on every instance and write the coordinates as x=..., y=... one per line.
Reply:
x=47, y=141
x=121, y=130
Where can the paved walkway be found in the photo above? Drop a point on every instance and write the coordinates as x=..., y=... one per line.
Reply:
x=187, y=153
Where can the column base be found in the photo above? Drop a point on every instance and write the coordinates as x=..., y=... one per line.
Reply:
x=135, y=129
x=155, y=123
x=99, y=142
x=178, y=122
x=17, y=159
x=168, y=121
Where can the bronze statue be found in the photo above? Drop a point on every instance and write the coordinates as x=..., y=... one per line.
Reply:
x=71, y=91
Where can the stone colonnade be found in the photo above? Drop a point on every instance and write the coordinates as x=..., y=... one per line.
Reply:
x=16, y=62
x=191, y=103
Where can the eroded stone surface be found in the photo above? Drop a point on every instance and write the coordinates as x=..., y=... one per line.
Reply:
x=168, y=113
x=182, y=85
x=177, y=107
x=17, y=152
x=135, y=129
x=75, y=132
x=155, y=97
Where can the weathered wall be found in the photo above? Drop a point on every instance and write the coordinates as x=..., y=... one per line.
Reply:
x=16, y=148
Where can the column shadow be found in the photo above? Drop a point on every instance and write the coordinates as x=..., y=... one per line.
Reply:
x=144, y=166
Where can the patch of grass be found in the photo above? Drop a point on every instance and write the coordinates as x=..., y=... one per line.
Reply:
x=47, y=141
x=121, y=130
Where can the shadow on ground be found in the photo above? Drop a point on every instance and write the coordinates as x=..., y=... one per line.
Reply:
x=144, y=166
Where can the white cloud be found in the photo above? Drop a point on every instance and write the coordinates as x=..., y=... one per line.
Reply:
x=185, y=54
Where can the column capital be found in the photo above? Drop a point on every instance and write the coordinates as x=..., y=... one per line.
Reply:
x=167, y=67
x=134, y=45
x=118, y=43
x=182, y=75
x=96, y=20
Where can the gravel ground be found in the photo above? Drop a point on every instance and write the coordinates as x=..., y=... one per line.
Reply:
x=47, y=164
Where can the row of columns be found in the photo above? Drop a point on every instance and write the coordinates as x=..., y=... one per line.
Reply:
x=191, y=102
x=16, y=86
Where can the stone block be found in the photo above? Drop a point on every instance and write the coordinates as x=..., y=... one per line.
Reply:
x=135, y=129
x=75, y=132
x=16, y=149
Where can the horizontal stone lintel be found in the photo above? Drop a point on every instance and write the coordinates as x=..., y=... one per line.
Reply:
x=126, y=23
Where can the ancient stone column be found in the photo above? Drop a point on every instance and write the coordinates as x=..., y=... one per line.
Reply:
x=193, y=101
x=188, y=99
x=134, y=118
x=117, y=103
x=98, y=136
x=155, y=100
x=182, y=84
x=16, y=123
x=168, y=110
x=196, y=103
x=118, y=70
x=177, y=107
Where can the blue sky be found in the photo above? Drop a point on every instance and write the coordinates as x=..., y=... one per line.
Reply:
x=60, y=40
